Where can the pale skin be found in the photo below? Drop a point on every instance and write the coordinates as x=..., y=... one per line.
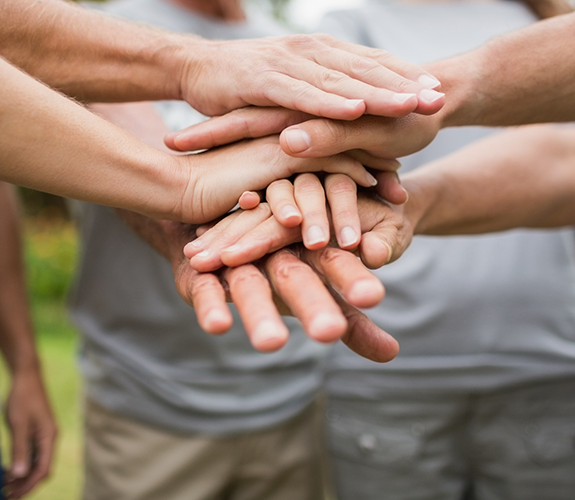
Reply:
x=521, y=178
x=118, y=169
x=519, y=78
x=30, y=420
x=293, y=282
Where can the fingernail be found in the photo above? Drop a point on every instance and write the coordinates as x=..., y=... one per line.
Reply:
x=215, y=320
x=406, y=193
x=315, y=235
x=297, y=140
x=326, y=328
x=267, y=335
x=366, y=293
x=428, y=81
x=196, y=244
x=348, y=237
x=430, y=96
x=289, y=211
x=204, y=254
x=388, y=251
x=19, y=470
x=371, y=180
x=401, y=98
x=353, y=103
x=234, y=248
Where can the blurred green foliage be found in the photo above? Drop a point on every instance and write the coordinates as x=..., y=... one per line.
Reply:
x=51, y=248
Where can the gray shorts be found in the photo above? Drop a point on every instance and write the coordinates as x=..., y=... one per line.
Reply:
x=516, y=444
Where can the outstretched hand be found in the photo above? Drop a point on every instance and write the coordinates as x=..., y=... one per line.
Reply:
x=317, y=74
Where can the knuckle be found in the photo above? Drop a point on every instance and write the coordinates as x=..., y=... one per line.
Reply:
x=340, y=184
x=299, y=41
x=330, y=257
x=332, y=78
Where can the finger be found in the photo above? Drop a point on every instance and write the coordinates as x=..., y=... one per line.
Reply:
x=266, y=238
x=401, y=67
x=389, y=188
x=44, y=446
x=209, y=301
x=381, y=137
x=206, y=233
x=21, y=452
x=385, y=92
x=225, y=235
x=306, y=296
x=341, y=194
x=249, y=200
x=293, y=92
x=252, y=296
x=346, y=274
x=280, y=196
x=203, y=229
x=374, y=250
x=375, y=99
x=344, y=164
x=310, y=199
x=365, y=338
x=244, y=123
x=374, y=162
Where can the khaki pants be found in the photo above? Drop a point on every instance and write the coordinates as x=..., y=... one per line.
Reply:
x=127, y=460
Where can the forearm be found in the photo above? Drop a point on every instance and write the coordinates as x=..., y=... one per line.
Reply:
x=521, y=178
x=519, y=78
x=106, y=59
x=50, y=143
x=16, y=339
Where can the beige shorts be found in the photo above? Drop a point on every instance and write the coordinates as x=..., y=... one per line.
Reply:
x=128, y=460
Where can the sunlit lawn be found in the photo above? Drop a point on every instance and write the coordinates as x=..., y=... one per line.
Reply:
x=51, y=253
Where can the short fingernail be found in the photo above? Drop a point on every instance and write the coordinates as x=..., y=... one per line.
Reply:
x=215, y=320
x=196, y=244
x=353, y=103
x=371, y=180
x=326, y=327
x=19, y=470
x=401, y=98
x=204, y=254
x=315, y=235
x=297, y=140
x=428, y=81
x=366, y=293
x=348, y=236
x=430, y=96
x=289, y=212
x=234, y=248
x=266, y=335
x=389, y=251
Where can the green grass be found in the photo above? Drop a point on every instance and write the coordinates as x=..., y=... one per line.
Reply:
x=50, y=259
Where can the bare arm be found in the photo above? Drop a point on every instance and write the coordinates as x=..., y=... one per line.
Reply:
x=521, y=178
x=30, y=419
x=95, y=57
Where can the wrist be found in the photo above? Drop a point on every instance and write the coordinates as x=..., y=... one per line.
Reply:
x=424, y=194
x=461, y=78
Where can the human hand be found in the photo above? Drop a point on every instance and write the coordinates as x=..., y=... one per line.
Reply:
x=218, y=177
x=287, y=283
x=303, y=202
x=371, y=140
x=246, y=236
x=33, y=431
x=317, y=74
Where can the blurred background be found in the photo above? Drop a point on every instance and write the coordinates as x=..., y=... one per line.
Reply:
x=51, y=248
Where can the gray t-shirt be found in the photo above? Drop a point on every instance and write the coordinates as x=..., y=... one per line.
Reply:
x=143, y=354
x=470, y=313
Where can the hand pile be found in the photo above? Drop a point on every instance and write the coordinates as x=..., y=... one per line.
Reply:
x=292, y=246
